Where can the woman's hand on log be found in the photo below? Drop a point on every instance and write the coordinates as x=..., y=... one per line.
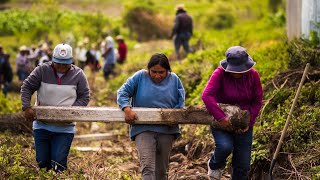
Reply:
x=245, y=114
x=29, y=114
x=225, y=123
x=130, y=116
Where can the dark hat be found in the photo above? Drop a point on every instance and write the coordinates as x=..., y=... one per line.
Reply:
x=237, y=60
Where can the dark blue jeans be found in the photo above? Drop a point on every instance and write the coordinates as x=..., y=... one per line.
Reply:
x=52, y=149
x=22, y=75
x=182, y=39
x=239, y=145
x=6, y=88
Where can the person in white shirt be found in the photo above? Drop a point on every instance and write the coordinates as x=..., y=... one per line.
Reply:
x=80, y=52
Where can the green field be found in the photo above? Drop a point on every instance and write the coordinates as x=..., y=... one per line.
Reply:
x=257, y=25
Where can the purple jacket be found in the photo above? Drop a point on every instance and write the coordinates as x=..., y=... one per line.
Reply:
x=223, y=88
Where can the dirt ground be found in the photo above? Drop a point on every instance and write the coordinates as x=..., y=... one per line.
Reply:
x=188, y=158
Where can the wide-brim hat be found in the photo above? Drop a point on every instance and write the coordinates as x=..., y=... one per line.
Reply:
x=237, y=60
x=180, y=7
x=62, y=54
x=119, y=37
x=23, y=48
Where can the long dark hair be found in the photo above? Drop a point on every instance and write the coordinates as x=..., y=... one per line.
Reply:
x=160, y=59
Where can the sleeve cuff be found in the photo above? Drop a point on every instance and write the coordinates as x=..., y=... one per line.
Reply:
x=122, y=107
x=220, y=119
x=24, y=108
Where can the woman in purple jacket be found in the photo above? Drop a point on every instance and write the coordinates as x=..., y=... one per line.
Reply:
x=235, y=82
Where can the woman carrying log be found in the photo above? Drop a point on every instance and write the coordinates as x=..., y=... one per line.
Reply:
x=58, y=83
x=235, y=82
x=156, y=87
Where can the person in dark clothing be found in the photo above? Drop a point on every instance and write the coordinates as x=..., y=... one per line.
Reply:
x=5, y=72
x=182, y=30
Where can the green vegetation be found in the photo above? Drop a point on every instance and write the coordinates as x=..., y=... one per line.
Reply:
x=258, y=25
x=10, y=104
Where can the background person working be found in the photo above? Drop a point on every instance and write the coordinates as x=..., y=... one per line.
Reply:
x=122, y=49
x=182, y=30
x=109, y=57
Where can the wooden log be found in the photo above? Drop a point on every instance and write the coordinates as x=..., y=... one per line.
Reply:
x=15, y=122
x=94, y=137
x=190, y=115
x=106, y=149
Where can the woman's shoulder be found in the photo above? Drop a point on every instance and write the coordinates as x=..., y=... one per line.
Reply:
x=254, y=72
x=174, y=75
x=141, y=72
x=218, y=71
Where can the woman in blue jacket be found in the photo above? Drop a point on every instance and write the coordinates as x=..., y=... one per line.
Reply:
x=156, y=87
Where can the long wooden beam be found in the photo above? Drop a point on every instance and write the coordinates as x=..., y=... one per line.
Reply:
x=191, y=115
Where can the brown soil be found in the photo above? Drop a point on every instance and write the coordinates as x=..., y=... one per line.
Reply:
x=188, y=158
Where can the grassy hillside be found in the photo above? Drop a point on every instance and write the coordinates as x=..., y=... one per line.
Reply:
x=258, y=25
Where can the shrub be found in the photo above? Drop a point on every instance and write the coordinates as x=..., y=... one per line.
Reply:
x=144, y=23
x=36, y=24
x=10, y=104
x=302, y=52
x=221, y=18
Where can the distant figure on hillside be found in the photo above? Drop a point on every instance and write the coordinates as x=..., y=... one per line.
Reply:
x=6, y=74
x=23, y=65
x=235, y=82
x=109, y=57
x=93, y=56
x=45, y=55
x=156, y=87
x=122, y=49
x=58, y=83
x=182, y=30
x=80, y=52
